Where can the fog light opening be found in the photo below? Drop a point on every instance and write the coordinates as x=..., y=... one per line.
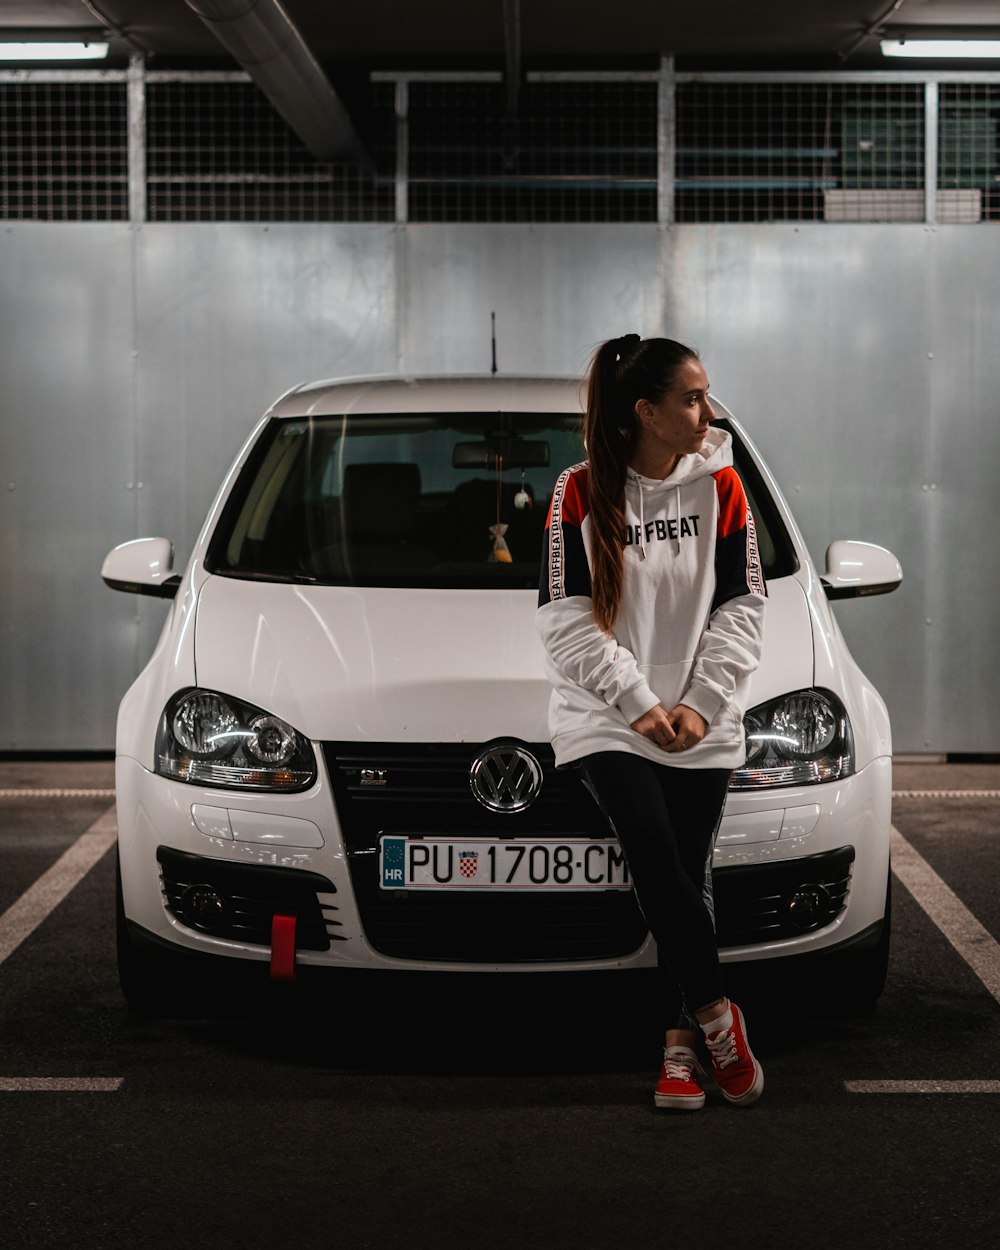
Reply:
x=204, y=908
x=808, y=908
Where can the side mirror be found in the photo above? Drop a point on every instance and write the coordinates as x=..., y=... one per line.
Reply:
x=142, y=567
x=855, y=569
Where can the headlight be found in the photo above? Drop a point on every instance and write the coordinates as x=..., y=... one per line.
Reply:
x=211, y=739
x=800, y=739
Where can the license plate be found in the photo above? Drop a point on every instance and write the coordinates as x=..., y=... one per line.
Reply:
x=463, y=863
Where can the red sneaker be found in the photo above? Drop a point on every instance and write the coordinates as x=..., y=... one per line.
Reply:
x=678, y=1087
x=739, y=1076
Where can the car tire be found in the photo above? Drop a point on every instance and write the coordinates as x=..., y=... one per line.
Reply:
x=857, y=980
x=149, y=985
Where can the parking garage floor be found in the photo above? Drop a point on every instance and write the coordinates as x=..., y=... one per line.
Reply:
x=485, y=1112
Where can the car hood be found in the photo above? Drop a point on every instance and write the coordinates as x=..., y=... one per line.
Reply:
x=385, y=665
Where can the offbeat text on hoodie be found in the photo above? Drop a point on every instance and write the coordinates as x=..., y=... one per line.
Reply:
x=690, y=625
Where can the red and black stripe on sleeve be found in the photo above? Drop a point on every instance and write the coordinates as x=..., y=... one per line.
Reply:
x=565, y=571
x=737, y=560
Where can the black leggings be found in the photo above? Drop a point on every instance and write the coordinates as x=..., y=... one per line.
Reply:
x=666, y=819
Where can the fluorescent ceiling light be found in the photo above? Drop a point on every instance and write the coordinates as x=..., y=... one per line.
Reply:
x=53, y=51
x=950, y=49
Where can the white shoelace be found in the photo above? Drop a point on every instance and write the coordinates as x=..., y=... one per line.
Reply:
x=723, y=1048
x=678, y=1067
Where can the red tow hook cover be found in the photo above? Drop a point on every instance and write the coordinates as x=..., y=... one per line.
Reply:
x=283, y=947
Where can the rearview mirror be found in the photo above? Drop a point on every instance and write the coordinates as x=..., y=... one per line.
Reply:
x=502, y=453
x=854, y=569
x=144, y=566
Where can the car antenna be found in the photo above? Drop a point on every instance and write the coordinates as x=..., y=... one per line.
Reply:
x=493, y=337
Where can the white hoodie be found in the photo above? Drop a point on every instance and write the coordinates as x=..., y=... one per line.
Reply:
x=690, y=624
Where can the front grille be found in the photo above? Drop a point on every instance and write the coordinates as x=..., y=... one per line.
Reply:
x=254, y=893
x=426, y=790
x=751, y=901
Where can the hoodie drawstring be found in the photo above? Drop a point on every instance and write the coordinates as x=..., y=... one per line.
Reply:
x=677, y=520
x=642, y=522
x=642, y=517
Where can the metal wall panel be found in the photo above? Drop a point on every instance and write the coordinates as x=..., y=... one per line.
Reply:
x=558, y=291
x=818, y=339
x=962, y=554
x=228, y=318
x=860, y=357
x=863, y=361
x=67, y=435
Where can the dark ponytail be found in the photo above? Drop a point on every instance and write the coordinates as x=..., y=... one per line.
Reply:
x=622, y=372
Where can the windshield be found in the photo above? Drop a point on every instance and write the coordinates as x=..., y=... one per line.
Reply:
x=406, y=500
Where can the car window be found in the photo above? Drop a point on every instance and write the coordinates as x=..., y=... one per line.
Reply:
x=777, y=551
x=432, y=500
x=454, y=499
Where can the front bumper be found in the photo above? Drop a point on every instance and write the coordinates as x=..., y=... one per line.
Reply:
x=851, y=828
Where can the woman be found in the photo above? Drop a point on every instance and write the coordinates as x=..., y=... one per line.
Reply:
x=651, y=612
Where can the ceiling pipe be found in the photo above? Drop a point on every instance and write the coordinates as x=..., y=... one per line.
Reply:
x=116, y=31
x=262, y=38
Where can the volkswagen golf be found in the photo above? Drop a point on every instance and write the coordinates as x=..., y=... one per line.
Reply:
x=337, y=757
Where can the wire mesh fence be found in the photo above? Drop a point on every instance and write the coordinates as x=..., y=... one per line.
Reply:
x=570, y=151
x=968, y=166
x=63, y=151
x=774, y=151
x=218, y=151
x=612, y=147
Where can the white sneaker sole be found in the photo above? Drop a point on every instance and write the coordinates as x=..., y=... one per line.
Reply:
x=679, y=1102
x=752, y=1094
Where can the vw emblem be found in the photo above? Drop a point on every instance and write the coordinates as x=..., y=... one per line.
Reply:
x=505, y=778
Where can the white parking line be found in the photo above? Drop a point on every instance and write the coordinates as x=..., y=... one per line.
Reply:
x=922, y=1087
x=24, y=916
x=61, y=1084
x=974, y=943
x=57, y=794
x=971, y=940
x=946, y=794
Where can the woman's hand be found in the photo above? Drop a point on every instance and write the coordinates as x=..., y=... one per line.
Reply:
x=677, y=730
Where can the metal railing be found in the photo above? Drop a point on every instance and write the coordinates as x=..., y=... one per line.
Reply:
x=656, y=145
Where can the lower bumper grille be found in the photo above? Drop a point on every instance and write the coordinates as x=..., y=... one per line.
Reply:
x=251, y=894
x=766, y=902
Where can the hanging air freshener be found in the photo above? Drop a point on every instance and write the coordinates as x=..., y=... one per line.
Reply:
x=500, y=554
x=522, y=499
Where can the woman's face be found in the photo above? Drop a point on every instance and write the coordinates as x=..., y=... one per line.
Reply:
x=676, y=426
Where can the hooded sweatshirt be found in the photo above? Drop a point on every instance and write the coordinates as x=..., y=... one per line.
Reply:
x=690, y=624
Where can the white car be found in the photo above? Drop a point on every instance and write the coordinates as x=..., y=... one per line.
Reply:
x=337, y=756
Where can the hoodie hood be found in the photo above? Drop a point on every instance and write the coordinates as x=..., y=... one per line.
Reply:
x=715, y=453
